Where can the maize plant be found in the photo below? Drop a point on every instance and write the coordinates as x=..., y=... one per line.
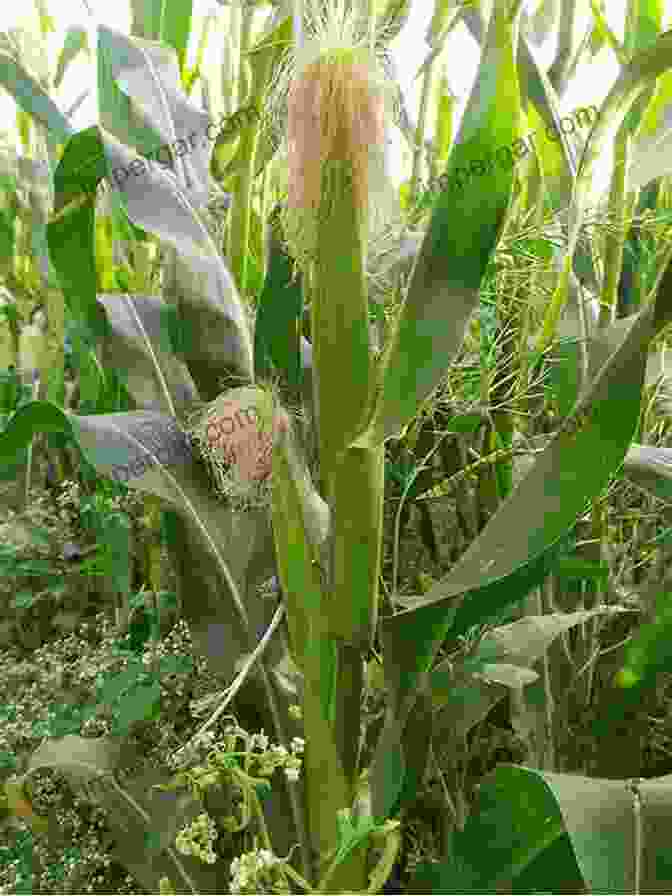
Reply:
x=268, y=445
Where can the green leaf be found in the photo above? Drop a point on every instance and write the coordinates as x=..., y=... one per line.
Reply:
x=150, y=452
x=138, y=345
x=589, y=804
x=444, y=289
x=562, y=382
x=507, y=560
x=279, y=314
x=33, y=98
x=70, y=232
x=389, y=771
x=513, y=820
x=462, y=697
x=351, y=834
x=118, y=114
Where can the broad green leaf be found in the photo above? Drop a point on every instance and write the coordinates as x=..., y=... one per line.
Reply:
x=117, y=112
x=608, y=864
x=521, y=812
x=164, y=814
x=221, y=338
x=200, y=281
x=513, y=820
x=502, y=564
x=70, y=232
x=540, y=102
x=507, y=559
x=549, y=498
x=137, y=346
x=445, y=284
x=87, y=763
x=168, y=126
x=390, y=771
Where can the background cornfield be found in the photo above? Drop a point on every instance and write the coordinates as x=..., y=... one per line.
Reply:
x=429, y=651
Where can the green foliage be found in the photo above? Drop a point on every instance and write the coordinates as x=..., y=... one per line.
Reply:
x=277, y=331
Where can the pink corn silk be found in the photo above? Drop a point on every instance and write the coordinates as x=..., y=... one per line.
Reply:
x=354, y=118
x=247, y=447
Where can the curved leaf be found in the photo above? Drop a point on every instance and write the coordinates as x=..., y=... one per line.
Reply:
x=70, y=231
x=33, y=98
x=148, y=76
x=132, y=810
x=608, y=863
x=514, y=820
x=508, y=559
x=443, y=291
x=148, y=451
x=461, y=695
x=140, y=349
